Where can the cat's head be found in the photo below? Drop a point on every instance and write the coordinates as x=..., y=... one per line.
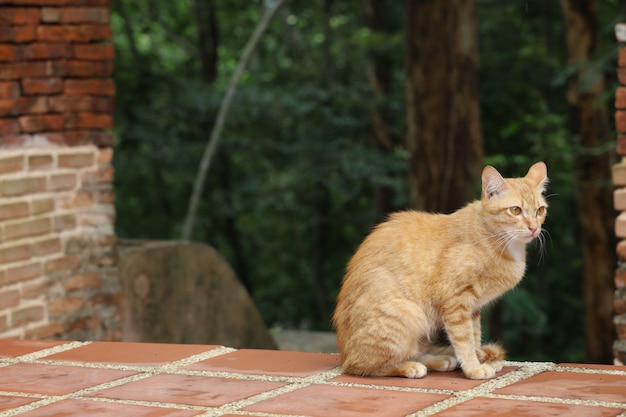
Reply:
x=516, y=206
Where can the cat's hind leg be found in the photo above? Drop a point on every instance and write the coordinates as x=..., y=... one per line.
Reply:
x=387, y=341
x=439, y=358
x=408, y=369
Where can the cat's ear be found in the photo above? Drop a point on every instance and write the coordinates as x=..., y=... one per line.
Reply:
x=538, y=174
x=493, y=183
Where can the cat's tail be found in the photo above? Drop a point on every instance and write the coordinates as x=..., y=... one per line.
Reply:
x=491, y=352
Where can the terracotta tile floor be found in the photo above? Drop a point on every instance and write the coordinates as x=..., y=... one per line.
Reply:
x=52, y=378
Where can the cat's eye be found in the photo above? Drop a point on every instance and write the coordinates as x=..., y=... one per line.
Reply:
x=541, y=211
x=515, y=210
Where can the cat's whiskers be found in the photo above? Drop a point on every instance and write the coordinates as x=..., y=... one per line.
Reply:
x=501, y=240
x=541, y=239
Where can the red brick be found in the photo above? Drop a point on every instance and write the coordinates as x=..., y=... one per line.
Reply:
x=620, y=279
x=28, y=228
x=7, y=53
x=619, y=199
x=82, y=281
x=14, y=140
x=88, y=2
x=77, y=137
x=89, y=121
x=105, y=155
x=621, y=60
x=19, y=70
x=46, y=331
x=14, y=253
x=7, y=107
x=103, y=175
x=65, y=222
x=106, y=196
x=94, y=52
x=620, y=121
x=10, y=298
x=83, y=69
x=13, y=163
x=27, y=315
x=621, y=144
x=621, y=75
x=85, y=15
x=44, y=122
x=23, y=105
x=78, y=159
x=41, y=206
x=65, y=263
x=620, y=226
x=23, y=273
x=40, y=162
x=9, y=90
x=66, y=305
x=620, y=329
x=74, y=33
x=100, y=138
x=620, y=98
x=21, y=186
x=46, y=247
x=50, y=14
x=51, y=33
x=21, y=15
x=80, y=103
x=42, y=85
x=36, y=2
x=93, y=87
x=618, y=174
x=63, y=182
x=82, y=199
x=12, y=211
x=9, y=126
x=40, y=50
x=33, y=290
x=17, y=34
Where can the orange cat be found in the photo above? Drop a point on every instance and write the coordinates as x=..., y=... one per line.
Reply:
x=418, y=272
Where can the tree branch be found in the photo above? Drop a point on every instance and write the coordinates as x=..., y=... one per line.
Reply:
x=221, y=118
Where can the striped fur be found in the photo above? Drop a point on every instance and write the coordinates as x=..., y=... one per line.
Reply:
x=418, y=272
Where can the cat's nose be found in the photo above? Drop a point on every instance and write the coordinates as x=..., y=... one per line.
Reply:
x=532, y=229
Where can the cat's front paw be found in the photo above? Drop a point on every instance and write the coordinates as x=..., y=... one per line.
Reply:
x=413, y=370
x=483, y=371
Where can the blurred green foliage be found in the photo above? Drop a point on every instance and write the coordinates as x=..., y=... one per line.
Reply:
x=290, y=193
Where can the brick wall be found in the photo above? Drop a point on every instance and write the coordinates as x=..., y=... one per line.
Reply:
x=619, y=180
x=58, y=275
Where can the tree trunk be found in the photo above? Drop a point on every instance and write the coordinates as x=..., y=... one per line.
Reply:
x=443, y=112
x=590, y=125
x=208, y=38
x=380, y=76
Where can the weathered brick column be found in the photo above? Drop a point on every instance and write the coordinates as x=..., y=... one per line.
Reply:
x=619, y=180
x=58, y=275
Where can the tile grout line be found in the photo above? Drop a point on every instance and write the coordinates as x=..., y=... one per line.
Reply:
x=33, y=356
x=525, y=371
x=46, y=399
x=222, y=350
x=557, y=400
x=392, y=388
x=234, y=406
x=582, y=370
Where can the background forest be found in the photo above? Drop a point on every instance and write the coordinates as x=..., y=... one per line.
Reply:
x=316, y=147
